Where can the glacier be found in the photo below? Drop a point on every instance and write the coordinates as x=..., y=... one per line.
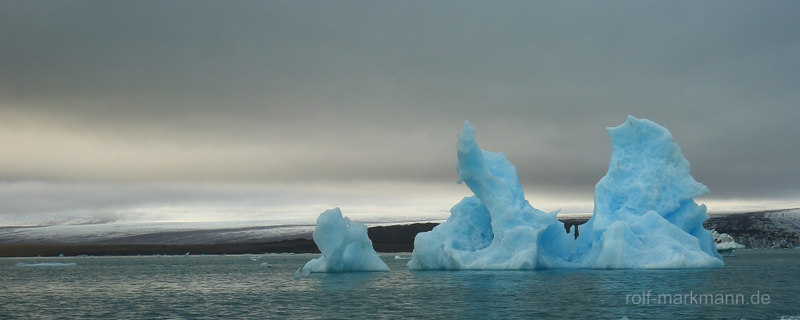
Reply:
x=644, y=216
x=344, y=245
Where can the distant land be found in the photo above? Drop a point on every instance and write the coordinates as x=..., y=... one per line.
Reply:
x=397, y=238
x=764, y=229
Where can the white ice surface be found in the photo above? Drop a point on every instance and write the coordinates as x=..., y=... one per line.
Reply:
x=169, y=227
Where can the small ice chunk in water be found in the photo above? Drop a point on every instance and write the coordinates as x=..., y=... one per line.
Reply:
x=46, y=264
x=344, y=244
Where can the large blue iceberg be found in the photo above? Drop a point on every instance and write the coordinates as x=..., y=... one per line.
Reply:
x=644, y=214
x=344, y=244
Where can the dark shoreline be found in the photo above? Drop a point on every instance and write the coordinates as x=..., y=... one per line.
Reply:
x=766, y=229
x=397, y=238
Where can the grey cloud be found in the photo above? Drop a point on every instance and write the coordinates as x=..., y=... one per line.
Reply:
x=357, y=90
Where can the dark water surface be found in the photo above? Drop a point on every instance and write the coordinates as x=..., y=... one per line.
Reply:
x=241, y=287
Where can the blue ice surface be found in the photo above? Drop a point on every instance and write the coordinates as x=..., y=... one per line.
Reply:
x=644, y=214
x=344, y=244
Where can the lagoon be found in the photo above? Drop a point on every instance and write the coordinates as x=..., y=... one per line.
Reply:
x=264, y=286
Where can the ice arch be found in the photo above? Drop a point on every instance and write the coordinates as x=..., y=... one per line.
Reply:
x=644, y=215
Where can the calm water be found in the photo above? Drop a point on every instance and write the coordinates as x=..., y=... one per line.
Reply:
x=217, y=287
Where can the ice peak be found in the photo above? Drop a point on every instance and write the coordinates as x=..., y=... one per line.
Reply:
x=645, y=215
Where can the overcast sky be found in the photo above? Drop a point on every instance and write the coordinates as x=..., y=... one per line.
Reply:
x=114, y=104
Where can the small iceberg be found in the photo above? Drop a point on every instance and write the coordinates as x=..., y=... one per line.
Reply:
x=46, y=264
x=344, y=244
x=402, y=258
x=725, y=243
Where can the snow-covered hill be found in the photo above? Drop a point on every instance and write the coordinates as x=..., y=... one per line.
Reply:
x=766, y=229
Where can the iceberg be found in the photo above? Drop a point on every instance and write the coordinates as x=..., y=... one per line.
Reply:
x=725, y=243
x=645, y=215
x=344, y=244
